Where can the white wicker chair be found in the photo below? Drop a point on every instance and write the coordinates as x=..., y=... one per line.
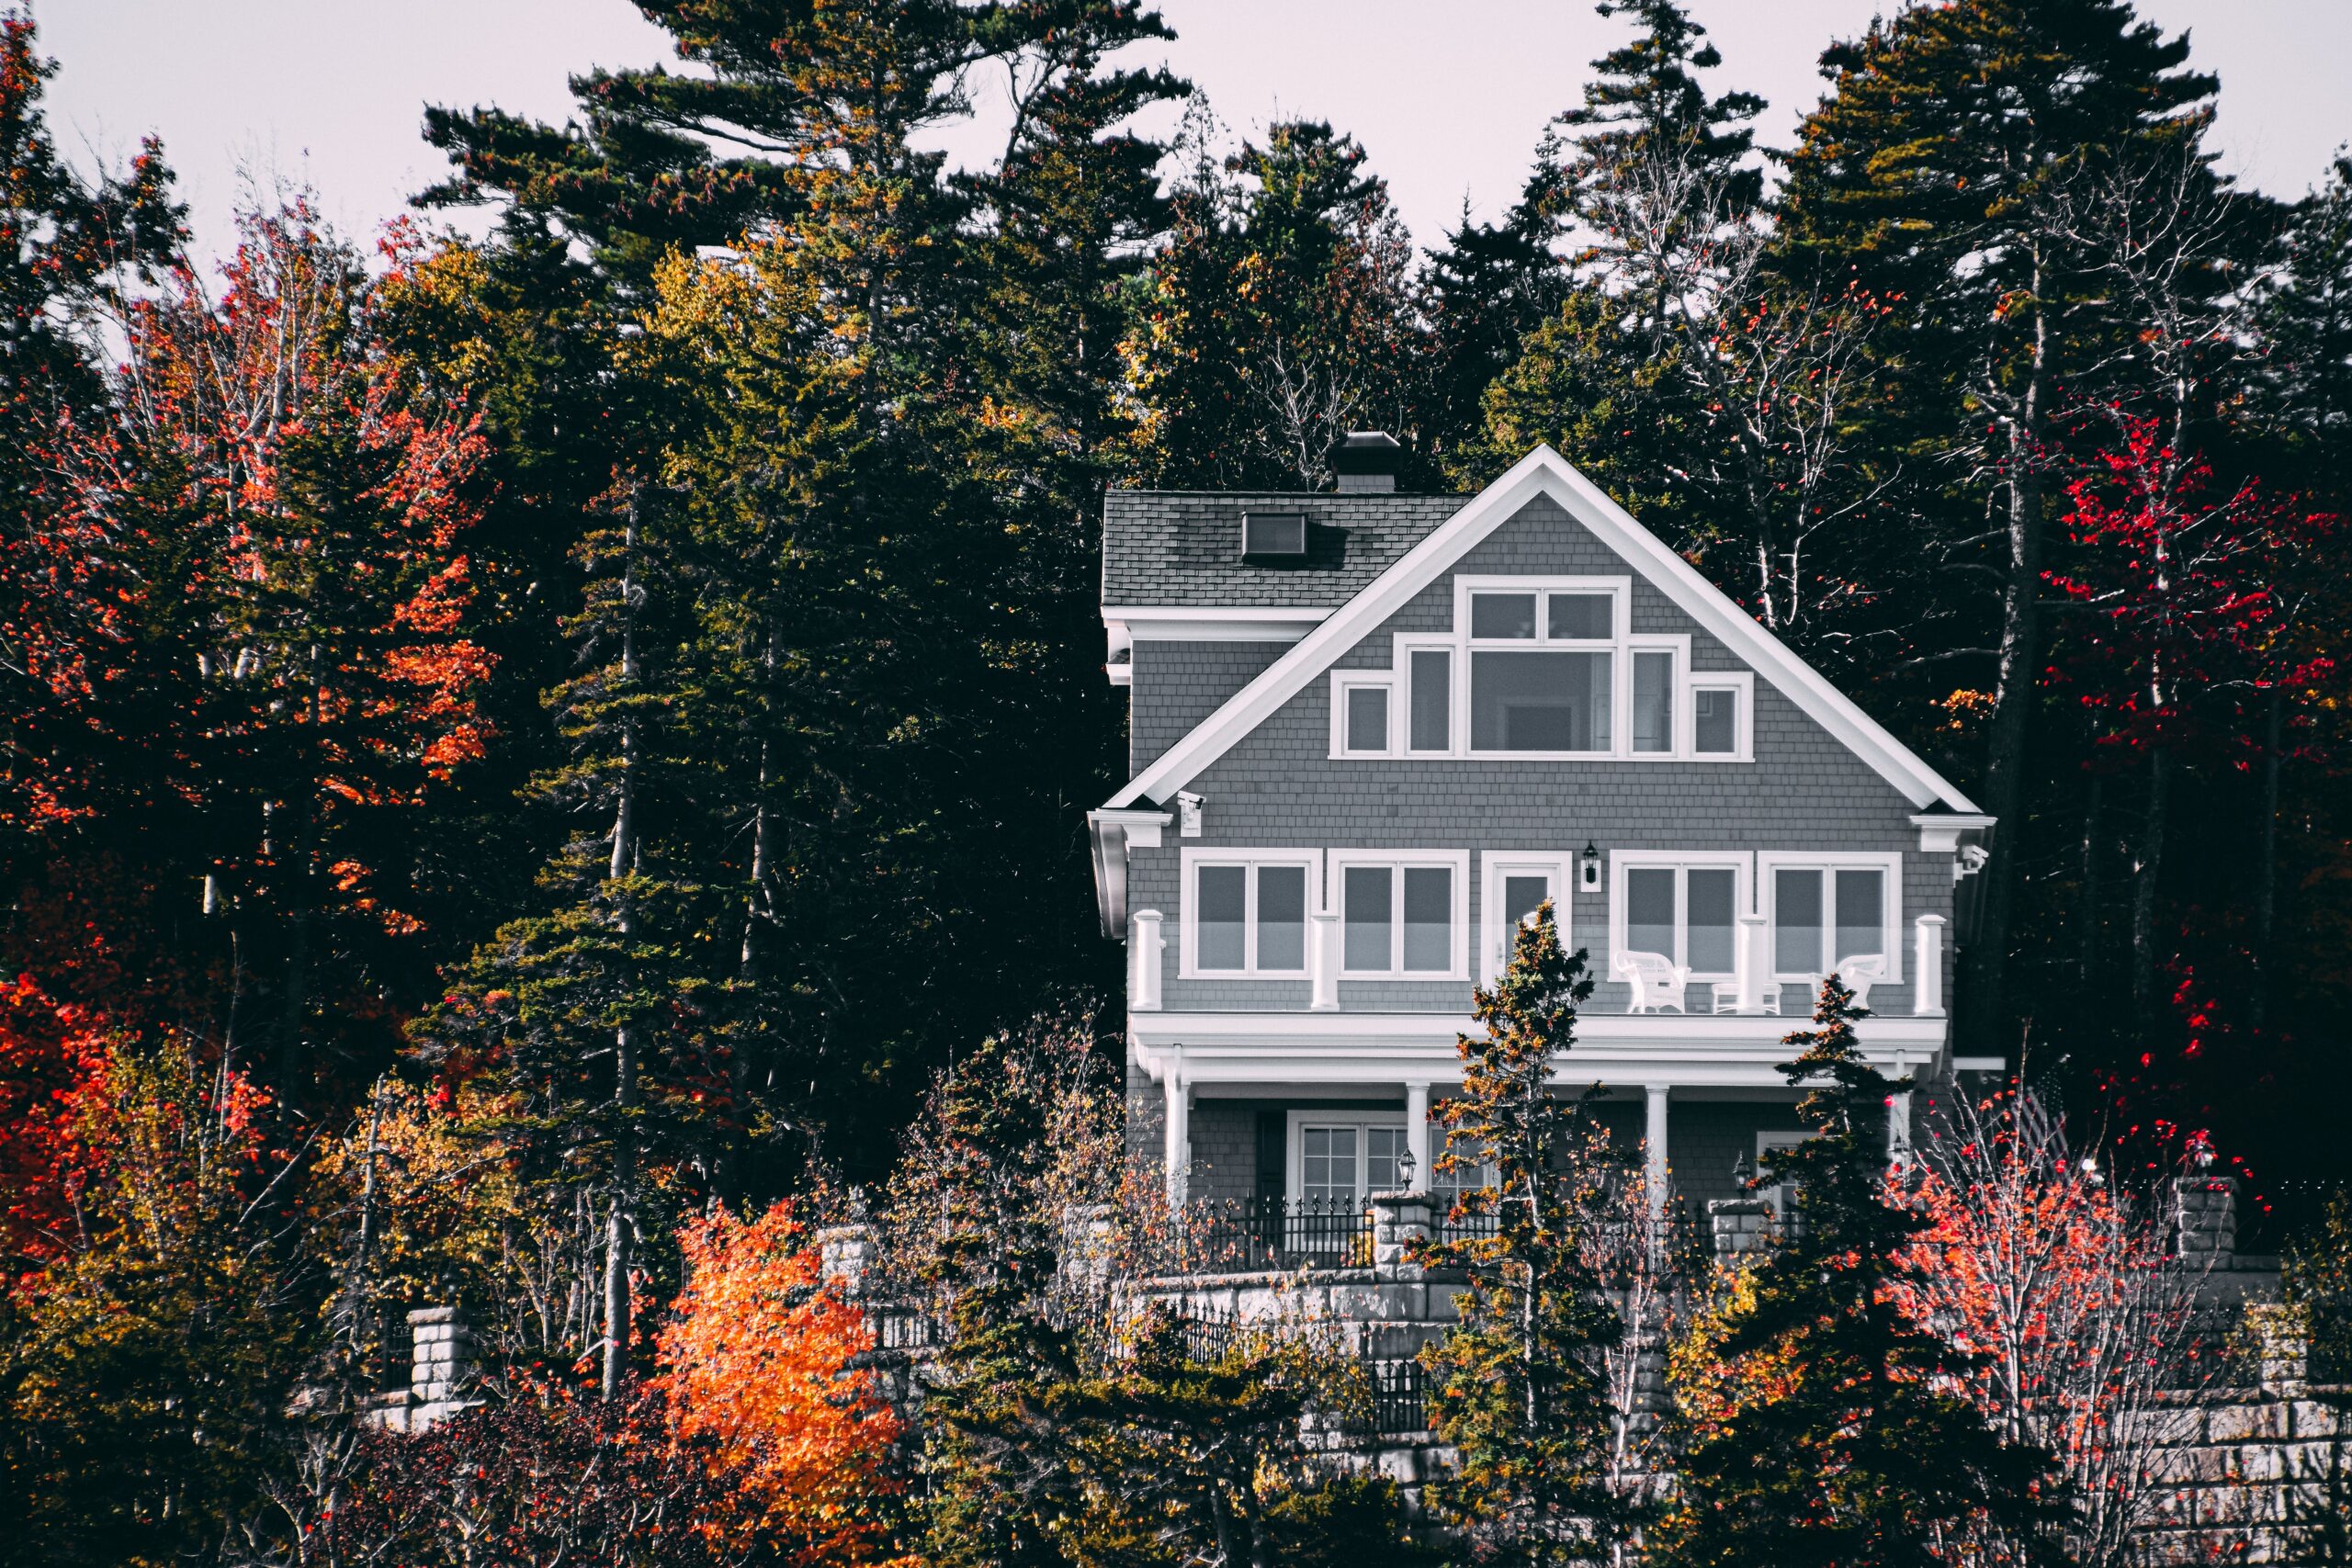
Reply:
x=1858, y=974
x=1658, y=983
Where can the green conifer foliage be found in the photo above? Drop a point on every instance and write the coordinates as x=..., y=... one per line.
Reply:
x=1645, y=101
x=1817, y=1425
x=1517, y=1387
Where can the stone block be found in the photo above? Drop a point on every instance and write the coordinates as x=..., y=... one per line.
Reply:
x=2310, y=1418
x=425, y=1317
x=1401, y=1465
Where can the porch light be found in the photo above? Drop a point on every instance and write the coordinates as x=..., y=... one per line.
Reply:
x=1405, y=1171
x=1589, y=866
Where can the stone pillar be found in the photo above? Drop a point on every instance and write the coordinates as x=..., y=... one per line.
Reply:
x=441, y=1366
x=1145, y=946
x=1928, y=966
x=1089, y=1237
x=1653, y=1149
x=1416, y=1135
x=1179, y=1152
x=1735, y=1226
x=1323, y=960
x=844, y=1257
x=2205, y=1210
x=1400, y=1223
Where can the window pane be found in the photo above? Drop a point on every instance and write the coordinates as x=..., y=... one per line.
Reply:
x=1381, y=1148
x=1580, y=615
x=1502, y=614
x=1861, y=912
x=1328, y=1162
x=1796, y=921
x=1218, y=936
x=1367, y=718
x=1282, y=917
x=1709, y=894
x=1432, y=701
x=1521, y=895
x=1649, y=911
x=1539, y=702
x=1653, y=702
x=1365, y=897
x=1714, y=722
x=1429, y=917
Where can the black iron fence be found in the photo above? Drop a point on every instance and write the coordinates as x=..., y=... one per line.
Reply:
x=1399, y=1402
x=1237, y=1236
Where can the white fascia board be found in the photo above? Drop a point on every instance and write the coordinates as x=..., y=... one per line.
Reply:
x=1111, y=834
x=1545, y=472
x=1703, y=1052
x=1940, y=831
x=1124, y=626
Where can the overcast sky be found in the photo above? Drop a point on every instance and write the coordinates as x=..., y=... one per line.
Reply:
x=1448, y=98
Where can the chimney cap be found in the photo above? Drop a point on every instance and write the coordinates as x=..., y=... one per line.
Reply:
x=1366, y=451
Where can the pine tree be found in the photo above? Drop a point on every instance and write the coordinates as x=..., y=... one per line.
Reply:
x=1279, y=317
x=2305, y=389
x=1645, y=104
x=1819, y=1423
x=1517, y=1390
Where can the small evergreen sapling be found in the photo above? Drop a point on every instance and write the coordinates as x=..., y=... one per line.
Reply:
x=1518, y=1387
x=1820, y=1425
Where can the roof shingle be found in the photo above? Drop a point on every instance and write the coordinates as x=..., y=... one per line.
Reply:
x=1183, y=547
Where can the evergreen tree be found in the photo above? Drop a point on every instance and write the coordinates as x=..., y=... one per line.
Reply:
x=2304, y=392
x=1940, y=172
x=1517, y=1386
x=1820, y=1423
x=1279, y=317
x=1646, y=104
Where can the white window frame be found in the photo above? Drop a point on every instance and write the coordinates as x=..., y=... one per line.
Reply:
x=1739, y=862
x=1346, y=681
x=1768, y=863
x=1686, y=723
x=1295, y=1143
x=1190, y=863
x=1622, y=645
x=1495, y=865
x=1337, y=862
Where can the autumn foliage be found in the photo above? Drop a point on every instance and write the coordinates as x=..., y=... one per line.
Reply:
x=759, y=1367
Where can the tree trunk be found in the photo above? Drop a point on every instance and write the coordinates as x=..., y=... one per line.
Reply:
x=2144, y=891
x=2266, y=869
x=620, y=1219
x=2013, y=695
x=2086, y=914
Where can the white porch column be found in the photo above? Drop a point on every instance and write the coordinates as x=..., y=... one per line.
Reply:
x=1751, y=963
x=1417, y=1133
x=1179, y=1099
x=1654, y=1148
x=1928, y=966
x=1144, y=948
x=1323, y=959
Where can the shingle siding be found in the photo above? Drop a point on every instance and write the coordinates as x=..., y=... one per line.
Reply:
x=1280, y=787
x=1178, y=684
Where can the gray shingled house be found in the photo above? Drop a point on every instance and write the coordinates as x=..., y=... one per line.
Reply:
x=1370, y=731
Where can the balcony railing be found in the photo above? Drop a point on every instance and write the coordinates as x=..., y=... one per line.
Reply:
x=1240, y=1236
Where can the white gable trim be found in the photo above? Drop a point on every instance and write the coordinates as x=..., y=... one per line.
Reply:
x=1543, y=472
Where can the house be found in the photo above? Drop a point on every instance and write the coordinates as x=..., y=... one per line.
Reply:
x=1370, y=731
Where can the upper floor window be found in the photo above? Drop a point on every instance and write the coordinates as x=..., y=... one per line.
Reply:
x=1245, y=913
x=1541, y=668
x=1829, y=910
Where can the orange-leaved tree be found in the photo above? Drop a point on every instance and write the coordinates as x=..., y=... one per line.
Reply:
x=758, y=1364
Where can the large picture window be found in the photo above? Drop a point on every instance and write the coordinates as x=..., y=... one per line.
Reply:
x=1246, y=914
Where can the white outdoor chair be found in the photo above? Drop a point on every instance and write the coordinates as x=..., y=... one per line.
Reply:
x=1656, y=982
x=1726, y=997
x=1858, y=974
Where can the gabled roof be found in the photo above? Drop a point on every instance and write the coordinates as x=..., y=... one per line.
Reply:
x=1540, y=473
x=1181, y=548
